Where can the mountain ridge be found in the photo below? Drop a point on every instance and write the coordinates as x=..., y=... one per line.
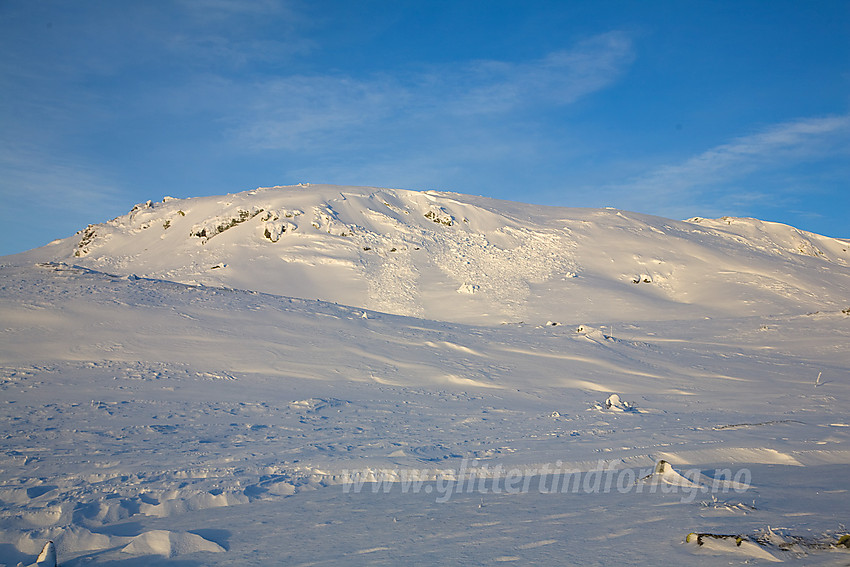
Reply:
x=463, y=258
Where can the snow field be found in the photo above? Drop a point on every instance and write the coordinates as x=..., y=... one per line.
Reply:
x=181, y=404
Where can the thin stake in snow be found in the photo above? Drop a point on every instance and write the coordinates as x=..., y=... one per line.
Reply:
x=817, y=381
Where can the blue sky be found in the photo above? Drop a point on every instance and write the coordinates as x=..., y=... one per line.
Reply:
x=677, y=108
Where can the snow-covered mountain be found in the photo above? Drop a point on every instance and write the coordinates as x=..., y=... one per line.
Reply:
x=341, y=391
x=460, y=258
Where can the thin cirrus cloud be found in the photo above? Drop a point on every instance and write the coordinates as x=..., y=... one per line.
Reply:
x=298, y=112
x=782, y=146
x=219, y=34
x=51, y=182
x=47, y=196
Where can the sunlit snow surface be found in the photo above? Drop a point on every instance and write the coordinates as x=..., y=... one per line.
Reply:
x=148, y=419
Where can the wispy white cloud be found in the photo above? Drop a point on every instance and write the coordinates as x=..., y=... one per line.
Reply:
x=713, y=178
x=299, y=111
x=231, y=33
x=561, y=77
x=216, y=9
x=799, y=140
x=46, y=196
x=34, y=180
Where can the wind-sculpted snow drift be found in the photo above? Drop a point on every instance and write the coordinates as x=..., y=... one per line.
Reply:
x=338, y=375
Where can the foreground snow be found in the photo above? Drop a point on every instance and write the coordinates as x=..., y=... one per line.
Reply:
x=150, y=422
x=147, y=417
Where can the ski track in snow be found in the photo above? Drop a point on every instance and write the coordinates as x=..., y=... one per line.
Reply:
x=154, y=422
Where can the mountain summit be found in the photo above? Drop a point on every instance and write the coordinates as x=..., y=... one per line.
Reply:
x=452, y=257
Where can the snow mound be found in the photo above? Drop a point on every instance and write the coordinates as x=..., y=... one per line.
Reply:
x=711, y=544
x=187, y=501
x=71, y=539
x=664, y=472
x=170, y=544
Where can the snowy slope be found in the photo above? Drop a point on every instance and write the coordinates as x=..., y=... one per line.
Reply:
x=148, y=420
x=452, y=257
